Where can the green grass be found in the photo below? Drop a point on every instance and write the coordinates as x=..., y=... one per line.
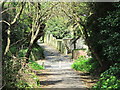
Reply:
x=85, y=64
x=34, y=65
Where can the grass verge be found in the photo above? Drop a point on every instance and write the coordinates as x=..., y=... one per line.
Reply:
x=85, y=64
x=109, y=80
x=34, y=65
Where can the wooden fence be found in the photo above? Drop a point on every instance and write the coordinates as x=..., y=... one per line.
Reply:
x=59, y=44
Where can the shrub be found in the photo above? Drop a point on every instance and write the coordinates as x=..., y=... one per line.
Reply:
x=110, y=79
x=37, y=52
x=13, y=66
x=22, y=52
x=84, y=64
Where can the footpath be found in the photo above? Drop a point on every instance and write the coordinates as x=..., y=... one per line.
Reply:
x=58, y=72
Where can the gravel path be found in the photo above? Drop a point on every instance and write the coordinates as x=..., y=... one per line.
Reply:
x=58, y=72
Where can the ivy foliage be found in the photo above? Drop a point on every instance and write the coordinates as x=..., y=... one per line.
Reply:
x=103, y=30
x=104, y=33
x=109, y=79
x=110, y=33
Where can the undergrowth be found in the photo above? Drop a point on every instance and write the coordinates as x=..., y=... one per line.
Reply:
x=37, y=52
x=34, y=65
x=15, y=74
x=110, y=79
x=85, y=64
x=28, y=80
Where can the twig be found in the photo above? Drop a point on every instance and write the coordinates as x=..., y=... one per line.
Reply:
x=5, y=22
x=7, y=9
x=18, y=41
x=3, y=85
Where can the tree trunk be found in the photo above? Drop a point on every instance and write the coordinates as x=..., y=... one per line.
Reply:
x=10, y=25
x=31, y=46
x=90, y=46
x=34, y=39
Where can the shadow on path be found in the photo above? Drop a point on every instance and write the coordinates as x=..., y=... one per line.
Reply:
x=49, y=82
x=58, y=72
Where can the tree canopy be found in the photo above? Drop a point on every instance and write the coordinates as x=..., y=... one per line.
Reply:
x=24, y=23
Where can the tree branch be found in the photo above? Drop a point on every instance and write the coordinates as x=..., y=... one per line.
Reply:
x=10, y=25
x=7, y=9
x=18, y=14
x=5, y=22
x=21, y=40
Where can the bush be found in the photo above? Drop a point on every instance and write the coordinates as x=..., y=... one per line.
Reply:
x=110, y=79
x=13, y=66
x=22, y=52
x=11, y=69
x=110, y=35
x=37, y=52
x=28, y=80
x=84, y=64
x=22, y=84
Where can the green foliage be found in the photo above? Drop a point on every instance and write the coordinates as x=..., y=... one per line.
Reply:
x=22, y=52
x=35, y=77
x=13, y=50
x=30, y=80
x=22, y=84
x=111, y=36
x=84, y=64
x=10, y=74
x=110, y=79
x=34, y=65
x=37, y=52
x=103, y=29
x=58, y=27
x=12, y=67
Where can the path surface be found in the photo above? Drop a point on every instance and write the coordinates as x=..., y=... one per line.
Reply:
x=58, y=72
